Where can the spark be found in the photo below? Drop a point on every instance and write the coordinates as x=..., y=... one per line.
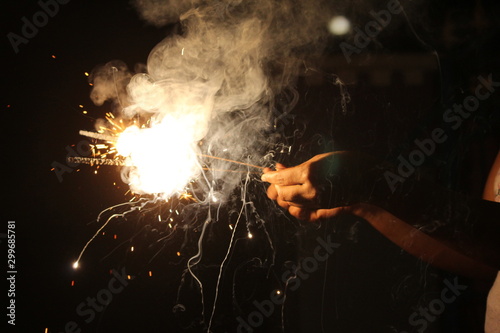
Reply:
x=133, y=206
x=230, y=247
x=250, y=235
x=187, y=196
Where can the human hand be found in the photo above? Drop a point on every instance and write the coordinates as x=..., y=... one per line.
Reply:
x=319, y=187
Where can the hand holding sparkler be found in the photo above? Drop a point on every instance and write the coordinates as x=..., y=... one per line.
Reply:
x=316, y=188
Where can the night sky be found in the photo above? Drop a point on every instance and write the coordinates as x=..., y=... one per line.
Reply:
x=45, y=94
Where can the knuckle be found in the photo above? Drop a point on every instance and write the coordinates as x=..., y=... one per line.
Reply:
x=313, y=194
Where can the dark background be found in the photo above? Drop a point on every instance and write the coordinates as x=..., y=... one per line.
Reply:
x=44, y=84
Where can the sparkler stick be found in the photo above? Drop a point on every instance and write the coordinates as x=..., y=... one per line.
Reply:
x=96, y=161
x=112, y=162
x=232, y=161
x=98, y=136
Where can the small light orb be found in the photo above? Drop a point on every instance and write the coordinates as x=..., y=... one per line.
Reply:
x=339, y=25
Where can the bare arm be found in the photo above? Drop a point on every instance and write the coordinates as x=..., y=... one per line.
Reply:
x=448, y=229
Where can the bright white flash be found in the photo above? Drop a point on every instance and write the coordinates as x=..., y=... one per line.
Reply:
x=162, y=157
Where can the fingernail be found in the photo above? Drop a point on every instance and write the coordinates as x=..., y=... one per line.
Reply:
x=263, y=177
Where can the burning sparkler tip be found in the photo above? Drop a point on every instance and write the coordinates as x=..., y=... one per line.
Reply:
x=76, y=264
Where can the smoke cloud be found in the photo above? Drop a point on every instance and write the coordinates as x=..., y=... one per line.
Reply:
x=222, y=72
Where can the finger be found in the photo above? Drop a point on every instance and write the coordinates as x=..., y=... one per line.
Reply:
x=272, y=193
x=309, y=215
x=282, y=204
x=288, y=176
x=266, y=170
x=299, y=213
x=323, y=214
x=279, y=166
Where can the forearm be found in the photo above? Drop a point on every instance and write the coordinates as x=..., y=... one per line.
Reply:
x=468, y=225
x=421, y=245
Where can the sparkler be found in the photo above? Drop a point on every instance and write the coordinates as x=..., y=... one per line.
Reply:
x=117, y=162
x=160, y=159
x=140, y=150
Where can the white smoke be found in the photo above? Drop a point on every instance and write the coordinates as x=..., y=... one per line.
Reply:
x=222, y=72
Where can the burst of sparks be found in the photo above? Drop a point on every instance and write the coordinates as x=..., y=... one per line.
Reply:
x=162, y=156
